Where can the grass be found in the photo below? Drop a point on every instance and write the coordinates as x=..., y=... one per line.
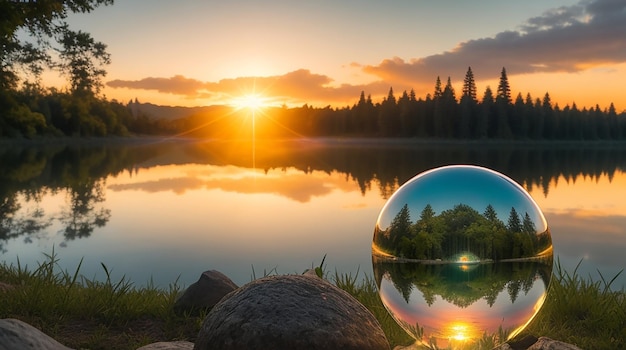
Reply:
x=87, y=314
x=83, y=313
x=583, y=312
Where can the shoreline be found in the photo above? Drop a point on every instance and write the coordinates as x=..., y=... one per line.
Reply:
x=321, y=141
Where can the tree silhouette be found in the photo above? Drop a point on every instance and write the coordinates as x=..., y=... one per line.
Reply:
x=469, y=85
x=41, y=23
x=504, y=89
x=503, y=102
x=484, y=124
x=81, y=58
x=388, y=120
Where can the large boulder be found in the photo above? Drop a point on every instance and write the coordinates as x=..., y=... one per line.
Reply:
x=290, y=312
x=204, y=293
x=15, y=334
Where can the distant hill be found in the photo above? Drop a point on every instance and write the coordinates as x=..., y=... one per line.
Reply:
x=172, y=112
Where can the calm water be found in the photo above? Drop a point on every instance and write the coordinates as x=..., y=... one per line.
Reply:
x=166, y=211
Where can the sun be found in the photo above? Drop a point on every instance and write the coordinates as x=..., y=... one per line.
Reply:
x=250, y=101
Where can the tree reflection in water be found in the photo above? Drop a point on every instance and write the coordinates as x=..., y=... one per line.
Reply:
x=28, y=225
x=450, y=302
x=83, y=215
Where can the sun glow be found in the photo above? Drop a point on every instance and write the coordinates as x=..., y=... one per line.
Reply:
x=250, y=101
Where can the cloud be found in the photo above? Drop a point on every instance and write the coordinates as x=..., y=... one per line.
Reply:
x=566, y=39
x=297, y=86
x=178, y=85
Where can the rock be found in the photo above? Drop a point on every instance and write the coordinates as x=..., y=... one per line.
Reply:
x=4, y=287
x=290, y=312
x=205, y=293
x=523, y=343
x=15, y=334
x=545, y=343
x=172, y=345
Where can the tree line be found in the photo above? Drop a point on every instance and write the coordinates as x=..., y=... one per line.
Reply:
x=495, y=116
x=461, y=230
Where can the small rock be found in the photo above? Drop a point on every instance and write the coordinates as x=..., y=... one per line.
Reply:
x=545, y=343
x=523, y=343
x=205, y=293
x=172, y=345
x=504, y=346
x=4, y=287
x=15, y=334
x=290, y=312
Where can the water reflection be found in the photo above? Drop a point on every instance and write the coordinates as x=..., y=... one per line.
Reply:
x=120, y=195
x=448, y=303
x=83, y=215
x=28, y=225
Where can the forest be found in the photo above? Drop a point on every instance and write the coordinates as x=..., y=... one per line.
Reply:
x=455, y=233
x=28, y=109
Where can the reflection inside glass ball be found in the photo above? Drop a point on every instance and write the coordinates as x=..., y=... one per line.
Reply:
x=461, y=253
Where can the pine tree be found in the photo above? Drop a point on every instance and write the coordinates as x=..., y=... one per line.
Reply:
x=519, y=125
x=438, y=90
x=400, y=227
x=439, y=110
x=448, y=91
x=490, y=213
x=469, y=85
x=528, y=225
x=548, y=117
x=503, y=102
x=449, y=105
x=467, y=106
x=484, y=121
x=504, y=90
x=404, y=109
x=388, y=118
x=514, y=224
x=362, y=99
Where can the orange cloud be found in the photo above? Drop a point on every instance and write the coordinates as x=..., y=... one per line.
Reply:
x=299, y=86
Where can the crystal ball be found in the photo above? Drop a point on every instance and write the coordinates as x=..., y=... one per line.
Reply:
x=461, y=253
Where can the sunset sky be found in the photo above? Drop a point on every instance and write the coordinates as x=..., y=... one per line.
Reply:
x=191, y=53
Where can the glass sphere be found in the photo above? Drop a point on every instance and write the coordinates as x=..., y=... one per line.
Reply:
x=461, y=253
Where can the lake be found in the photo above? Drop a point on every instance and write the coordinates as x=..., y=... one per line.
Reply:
x=167, y=210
